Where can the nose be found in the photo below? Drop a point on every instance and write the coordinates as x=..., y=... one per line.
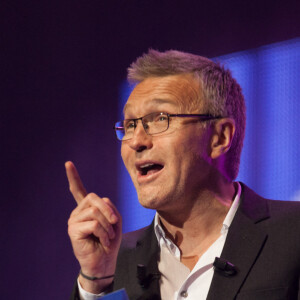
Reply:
x=140, y=140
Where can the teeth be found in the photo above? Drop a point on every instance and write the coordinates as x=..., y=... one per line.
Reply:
x=146, y=166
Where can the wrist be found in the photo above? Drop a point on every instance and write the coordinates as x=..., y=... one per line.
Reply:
x=93, y=278
x=95, y=286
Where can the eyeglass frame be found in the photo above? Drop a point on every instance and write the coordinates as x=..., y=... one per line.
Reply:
x=205, y=117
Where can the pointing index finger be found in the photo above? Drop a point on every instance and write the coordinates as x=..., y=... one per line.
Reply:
x=75, y=184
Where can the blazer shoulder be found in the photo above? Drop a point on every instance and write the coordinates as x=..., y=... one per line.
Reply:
x=132, y=238
x=285, y=210
x=284, y=204
x=259, y=208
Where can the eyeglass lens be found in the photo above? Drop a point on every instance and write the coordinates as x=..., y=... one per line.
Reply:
x=152, y=123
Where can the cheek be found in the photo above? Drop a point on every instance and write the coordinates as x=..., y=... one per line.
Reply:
x=193, y=151
x=124, y=155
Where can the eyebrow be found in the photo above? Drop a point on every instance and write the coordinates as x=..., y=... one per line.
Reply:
x=156, y=101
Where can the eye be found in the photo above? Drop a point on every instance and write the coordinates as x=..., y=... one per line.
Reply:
x=129, y=125
x=161, y=118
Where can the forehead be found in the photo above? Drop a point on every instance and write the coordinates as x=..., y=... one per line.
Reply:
x=174, y=92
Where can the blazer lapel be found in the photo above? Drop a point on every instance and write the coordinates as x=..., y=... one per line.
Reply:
x=147, y=254
x=245, y=240
x=138, y=248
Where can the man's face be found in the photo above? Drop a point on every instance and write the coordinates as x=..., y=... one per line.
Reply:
x=175, y=161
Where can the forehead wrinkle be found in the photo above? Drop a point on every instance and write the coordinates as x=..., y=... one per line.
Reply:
x=182, y=91
x=156, y=101
x=186, y=90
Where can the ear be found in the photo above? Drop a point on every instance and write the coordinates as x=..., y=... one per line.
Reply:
x=222, y=136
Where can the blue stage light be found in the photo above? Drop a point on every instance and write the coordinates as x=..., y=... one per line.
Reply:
x=270, y=162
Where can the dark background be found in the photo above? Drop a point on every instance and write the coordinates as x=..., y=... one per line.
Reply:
x=62, y=63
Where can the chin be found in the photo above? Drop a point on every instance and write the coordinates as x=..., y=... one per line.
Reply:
x=148, y=203
x=149, y=200
x=154, y=201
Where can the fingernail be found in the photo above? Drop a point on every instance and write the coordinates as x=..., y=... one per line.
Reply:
x=113, y=218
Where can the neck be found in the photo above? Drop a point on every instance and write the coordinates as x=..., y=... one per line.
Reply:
x=196, y=226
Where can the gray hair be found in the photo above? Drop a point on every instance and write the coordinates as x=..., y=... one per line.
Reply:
x=220, y=92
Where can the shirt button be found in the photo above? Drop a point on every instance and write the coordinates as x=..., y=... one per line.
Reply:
x=184, y=294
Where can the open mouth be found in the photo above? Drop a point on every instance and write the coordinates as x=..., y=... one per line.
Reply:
x=149, y=168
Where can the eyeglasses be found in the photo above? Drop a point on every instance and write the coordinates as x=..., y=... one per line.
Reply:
x=153, y=123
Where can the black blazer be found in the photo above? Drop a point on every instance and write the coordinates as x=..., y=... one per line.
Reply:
x=263, y=243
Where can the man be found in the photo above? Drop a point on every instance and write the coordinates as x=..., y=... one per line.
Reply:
x=212, y=238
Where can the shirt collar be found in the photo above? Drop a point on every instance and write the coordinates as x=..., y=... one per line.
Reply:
x=160, y=233
x=233, y=208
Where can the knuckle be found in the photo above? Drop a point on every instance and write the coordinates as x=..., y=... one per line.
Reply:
x=69, y=231
x=70, y=220
x=73, y=213
x=93, y=210
x=95, y=225
x=106, y=200
x=91, y=196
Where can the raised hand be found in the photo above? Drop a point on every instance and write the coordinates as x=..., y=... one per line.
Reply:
x=95, y=230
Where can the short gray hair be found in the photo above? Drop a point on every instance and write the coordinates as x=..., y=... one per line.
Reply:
x=221, y=93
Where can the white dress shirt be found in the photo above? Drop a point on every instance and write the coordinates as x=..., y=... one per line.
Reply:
x=177, y=281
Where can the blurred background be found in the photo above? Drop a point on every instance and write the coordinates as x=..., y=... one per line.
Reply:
x=62, y=87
